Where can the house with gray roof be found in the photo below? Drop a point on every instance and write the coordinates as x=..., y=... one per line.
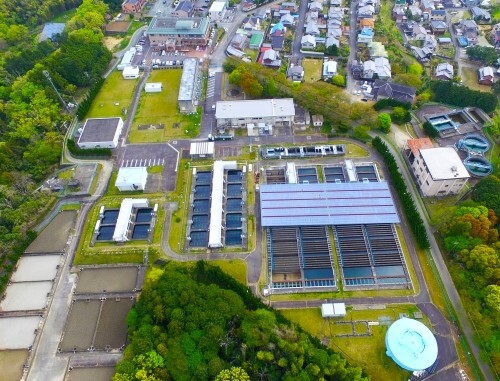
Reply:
x=444, y=71
x=308, y=42
x=481, y=15
x=287, y=19
x=185, y=8
x=438, y=27
x=486, y=75
x=312, y=28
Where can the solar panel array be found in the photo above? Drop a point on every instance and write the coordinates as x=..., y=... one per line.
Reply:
x=370, y=256
x=326, y=204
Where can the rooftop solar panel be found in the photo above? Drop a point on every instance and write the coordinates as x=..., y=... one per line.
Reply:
x=326, y=204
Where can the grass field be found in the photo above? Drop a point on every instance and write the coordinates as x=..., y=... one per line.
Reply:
x=115, y=94
x=312, y=69
x=469, y=76
x=65, y=16
x=161, y=108
x=237, y=268
x=368, y=352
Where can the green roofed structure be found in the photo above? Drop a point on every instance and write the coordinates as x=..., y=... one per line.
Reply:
x=256, y=41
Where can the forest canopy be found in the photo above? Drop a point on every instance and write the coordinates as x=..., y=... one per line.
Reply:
x=185, y=326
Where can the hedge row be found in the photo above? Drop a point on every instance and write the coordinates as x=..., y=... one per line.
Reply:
x=412, y=215
x=84, y=105
x=93, y=152
x=384, y=103
x=447, y=92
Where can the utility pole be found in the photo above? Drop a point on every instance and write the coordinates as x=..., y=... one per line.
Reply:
x=47, y=75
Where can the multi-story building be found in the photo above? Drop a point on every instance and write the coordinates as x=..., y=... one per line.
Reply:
x=438, y=171
x=187, y=93
x=172, y=33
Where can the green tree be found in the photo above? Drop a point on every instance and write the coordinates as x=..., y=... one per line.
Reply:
x=384, y=122
x=487, y=192
x=362, y=132
x=400, y=115
x=233, y=374
x=338, y=80
x=492, y=298
x=408, y=80
x=332, y=50
x=486, y=54
x=430, y=131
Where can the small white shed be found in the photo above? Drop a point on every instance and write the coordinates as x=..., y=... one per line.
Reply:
x=201, y=149
x=153, y=87
x=130, y=72
x=329, y=310
x=131, y=178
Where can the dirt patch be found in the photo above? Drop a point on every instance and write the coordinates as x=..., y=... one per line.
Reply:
x=111, y=42
x=95, y=374
x=11, y=363
x=118, y=26
x=53, y=238
x=399, y=135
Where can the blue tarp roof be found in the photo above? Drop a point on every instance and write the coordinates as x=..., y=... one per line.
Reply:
x=326, y=204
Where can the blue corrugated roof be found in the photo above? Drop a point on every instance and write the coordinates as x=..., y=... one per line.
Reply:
x=326, y=204
x=51, y=29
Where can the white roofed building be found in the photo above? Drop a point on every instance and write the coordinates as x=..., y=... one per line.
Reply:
x=130, y=72
x=123, y=222
x=153, y=87
x=201, y=149
x=268, y=111
x=439, y=171
x=217, y=11
x=131, y=178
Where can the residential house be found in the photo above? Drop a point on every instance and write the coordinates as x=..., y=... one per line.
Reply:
x=438, y=14
x=430, y=42
x=335, y=13
x=390, y=90
x=289, y=6
x=317, y=120
x=185, y=8
x=308, y=42
x=365, y=36
x=366, y=11
x=271, y=57
x=495, y=33
x=251, y=23
x=415, y=12
x=470, y=30
x=481, y=15
x=378, y=68
x=427, y=6
x=287, y=20
x=357, y=70
x=277, y=42
x=418, y=32
x=331, y=40
x=444, y=40
x=422, y=54
x=315, y=6
x=295, y=73
x=336, y=3
x=312, y=29
x=133, y=6
x=438, y=27
x=256, y=40
x=334, y=23
x=311, y=16
x=444, y=71
x=261, y=13
x=366, y=23
x=239, y=41
x=334, y=32
x=329, y=69
x=407, y=28
x=486, y=75
x=398, y=13
x=362, y=3
x=277, y=30
x=377, y=49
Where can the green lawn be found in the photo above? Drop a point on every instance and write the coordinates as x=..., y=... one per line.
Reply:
x=161, y=108
x=368, y=352
x=115, y=94
x=312, y=69
x=469, y=76
x=65, y=16
x=237, y=268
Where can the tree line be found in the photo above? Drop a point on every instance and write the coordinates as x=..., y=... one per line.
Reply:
x=32, y=119
x=412, y=215
x=450, y=93
x=469, y=231
x=197, y=323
